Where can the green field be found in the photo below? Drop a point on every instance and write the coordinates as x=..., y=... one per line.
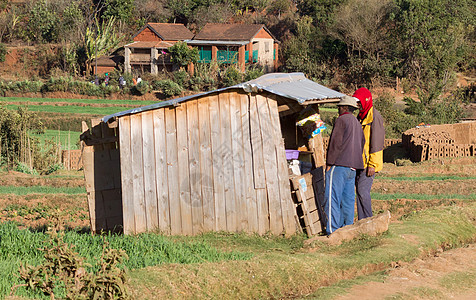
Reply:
x=76, y=101
x=76, y=106
x=67, y=139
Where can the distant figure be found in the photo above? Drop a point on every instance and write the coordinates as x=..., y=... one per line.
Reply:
x=122, y=82
x=106, y=80
x=374, y=132
x=139, y=79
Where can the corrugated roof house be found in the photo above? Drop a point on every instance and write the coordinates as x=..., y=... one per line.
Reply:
x=237, y=43
x=207, y=162
x=147, y=52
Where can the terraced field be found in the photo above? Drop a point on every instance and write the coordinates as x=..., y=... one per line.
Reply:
x=416, y=195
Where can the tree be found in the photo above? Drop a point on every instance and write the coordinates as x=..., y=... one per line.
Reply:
x=121, y=10
x=73, y=23
x=431, y=41
x=42, y=23
x=182, y=54
x=364, y=28
x=100, y=41
x=321, y=11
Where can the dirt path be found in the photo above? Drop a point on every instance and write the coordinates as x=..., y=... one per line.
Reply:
x=447, y=275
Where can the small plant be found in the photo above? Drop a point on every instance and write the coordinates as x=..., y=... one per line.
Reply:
x=53, y=168
x=3, y=52
x=182, y=55
x=64, y=273
x=168, y=87
x=253, y=72
x=142, y=88
x=23, y=168
x=232, y=76
x=181, y=77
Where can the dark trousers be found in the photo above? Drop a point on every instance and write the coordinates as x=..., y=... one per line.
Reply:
x=363, y=184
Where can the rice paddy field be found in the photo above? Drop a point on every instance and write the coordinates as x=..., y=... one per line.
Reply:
x=432, y=203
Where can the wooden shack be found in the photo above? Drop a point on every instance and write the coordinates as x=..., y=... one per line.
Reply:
x=208, y=162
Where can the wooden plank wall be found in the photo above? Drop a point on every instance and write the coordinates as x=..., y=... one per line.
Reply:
x=100, y=155
x=219, y=165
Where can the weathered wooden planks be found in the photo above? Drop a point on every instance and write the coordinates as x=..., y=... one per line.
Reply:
x=126, y=172
x=163, y=207
x=303, y=188
x=184, y=171
x=217, y=164
x=213, y=163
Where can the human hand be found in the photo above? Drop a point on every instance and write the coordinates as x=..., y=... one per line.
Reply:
x=370, y=171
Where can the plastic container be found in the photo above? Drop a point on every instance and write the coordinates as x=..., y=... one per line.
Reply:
x=292, y=154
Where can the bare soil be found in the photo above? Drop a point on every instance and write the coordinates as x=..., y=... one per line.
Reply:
x=39, y=210
x=428, y=278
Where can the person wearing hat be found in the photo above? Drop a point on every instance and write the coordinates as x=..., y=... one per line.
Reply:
x=374, y=132
x=344, y=157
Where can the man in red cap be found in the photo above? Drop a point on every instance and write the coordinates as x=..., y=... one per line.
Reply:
x=374, y=132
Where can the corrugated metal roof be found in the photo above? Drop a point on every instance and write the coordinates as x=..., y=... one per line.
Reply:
x=294, y=86
x=214, y=42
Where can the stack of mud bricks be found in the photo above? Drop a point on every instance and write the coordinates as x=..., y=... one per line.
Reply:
x=71, y=159
x=440, y=141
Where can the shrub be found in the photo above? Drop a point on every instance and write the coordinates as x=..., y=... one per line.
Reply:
x=253, y=73
x=53, y=168
x=168, y=87
x=65, y=273
x=181, y=77
x=142, y=88
x=396, y=121
x=205, y=77
x=23, y=168
x=232, y=76
x=59, y=84
x=447, y=111
x=182, y=55
x=3, y=52
x=466, y=94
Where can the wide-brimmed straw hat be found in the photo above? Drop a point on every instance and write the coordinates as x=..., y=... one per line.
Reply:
x=349, y=101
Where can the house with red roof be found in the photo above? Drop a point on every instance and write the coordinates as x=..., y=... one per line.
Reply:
x=242, y=44
x=147, y=53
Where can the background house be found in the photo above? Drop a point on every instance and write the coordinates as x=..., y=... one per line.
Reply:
x=148, y=51
x=106, y=64
x=213, y=161
x=237, y=43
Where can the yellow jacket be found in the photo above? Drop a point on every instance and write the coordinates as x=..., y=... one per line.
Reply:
x=374, y=134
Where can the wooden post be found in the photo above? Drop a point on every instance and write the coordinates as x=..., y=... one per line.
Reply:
x=317, y=148
x=241, y=58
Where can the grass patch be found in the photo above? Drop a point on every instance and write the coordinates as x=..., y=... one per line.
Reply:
x=287, y=273
x=76, y=101
x=71, y=109
x=248, y=242
x=423, y=292
x=380, y=196
x=27, y=190
x=459, y=281
x=143, y=250
x=343, y=286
